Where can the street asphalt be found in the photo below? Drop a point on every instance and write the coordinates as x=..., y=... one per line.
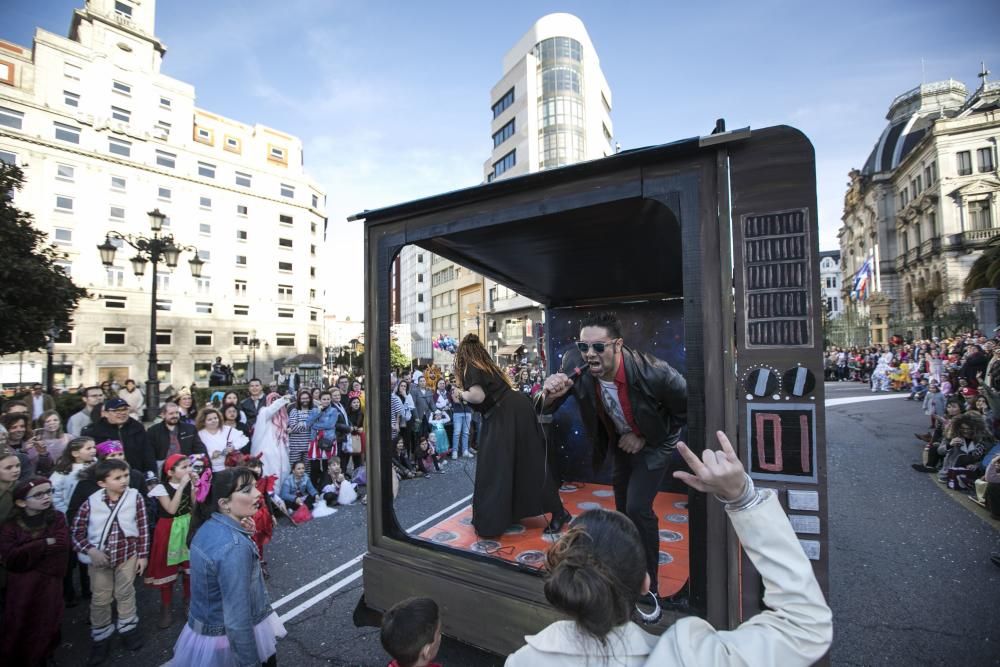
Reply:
x=910, y=578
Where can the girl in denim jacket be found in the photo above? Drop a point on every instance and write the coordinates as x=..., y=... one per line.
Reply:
x=230, y=621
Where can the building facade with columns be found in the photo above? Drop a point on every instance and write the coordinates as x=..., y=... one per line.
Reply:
x=924, y=206
x=104, y=136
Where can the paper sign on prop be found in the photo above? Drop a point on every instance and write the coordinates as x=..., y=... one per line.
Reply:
x=781, y=442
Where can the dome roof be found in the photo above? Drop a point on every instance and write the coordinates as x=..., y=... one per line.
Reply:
x=910, y=118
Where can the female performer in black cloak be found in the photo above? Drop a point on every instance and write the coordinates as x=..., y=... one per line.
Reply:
x=512, y=479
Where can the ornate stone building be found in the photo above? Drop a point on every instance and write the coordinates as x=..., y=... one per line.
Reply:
x=924, y=205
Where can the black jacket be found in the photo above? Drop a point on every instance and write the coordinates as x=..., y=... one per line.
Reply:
x=657, y=392
x=138, y=451
x=187, y=435
x=251, y=407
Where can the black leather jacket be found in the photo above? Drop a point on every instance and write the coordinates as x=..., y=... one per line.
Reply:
x=657, y=392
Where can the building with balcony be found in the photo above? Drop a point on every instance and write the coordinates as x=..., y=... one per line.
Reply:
x=925, y=204
x=414, y=298
x=103, y=137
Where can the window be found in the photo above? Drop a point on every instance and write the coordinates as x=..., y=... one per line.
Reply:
x=165, y=159
x=114, y=336
x=118, y=183
x=930, y=173
x=312, y=271
x=964, y=159
x=165, y=305
x=124, y=115
x=505, y=163
x=241, y=235
x=163, y=280
x=67, y=133
x=243, y=179
x=14, y=119
x=205, y=203
x=64, y=172
x=114, y=302
x=63, y=236
x=313, y=316
x=315, y=201
x=277, y=154
x=203, y=338
x=285, y=243
x=312, y=249
x=164, y=337
x=65, y=336
x=312, y=227
x=420, y=317
x=163, y=129
x=286, y=313
x=980, y=216
x=285, y=219
x=420, y=277
x=284, y=292
x=288, y=191
x=312, y=295
x=122, y=8
x=240, y=287
x=64, y=266
x=7, y=157
x=121, y=88
x=203, y=135
x=504, y=133
x=164, y=193
x=241, y=311
x=284, y=340
x=203, y=307
x=64, y=204
x=207, y=170
x=116, y=213
x=114, y=276
x=241, y=338
x=504, y=102
x=984, y=159
x=420, y=297
x=205, y=229
x=71, y=71
x=119, y=147
x=7, y=72
x=232, y=144
x=71, y=99
x=313, y=340
x=241, y=260
x=285, y=267
x=205, y=255
x=241, y=210
x=165, y=103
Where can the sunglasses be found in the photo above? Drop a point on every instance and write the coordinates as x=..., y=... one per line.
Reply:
x=598, y=347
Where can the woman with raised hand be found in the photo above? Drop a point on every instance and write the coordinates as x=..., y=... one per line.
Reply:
x=596, y=575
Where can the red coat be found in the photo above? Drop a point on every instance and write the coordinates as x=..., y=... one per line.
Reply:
x=34, y=610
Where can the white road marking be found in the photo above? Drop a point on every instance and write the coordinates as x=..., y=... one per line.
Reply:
x=289, y=615
x=354, y=561
x=831, y=402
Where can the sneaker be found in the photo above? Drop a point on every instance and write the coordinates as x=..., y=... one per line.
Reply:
x=454, y=455
x=99, y=652
x=440, y=472
x=469, y=455
x=920, y=467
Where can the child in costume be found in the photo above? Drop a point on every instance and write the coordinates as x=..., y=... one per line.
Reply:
x=169, y=556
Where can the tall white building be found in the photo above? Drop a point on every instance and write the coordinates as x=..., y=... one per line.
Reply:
x=831, y=282
x=103, y=137
x=552, y=106
x=415, y=301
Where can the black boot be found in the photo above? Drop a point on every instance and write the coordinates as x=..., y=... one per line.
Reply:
x=99, y=652
x=558, y=521
x=132, y=639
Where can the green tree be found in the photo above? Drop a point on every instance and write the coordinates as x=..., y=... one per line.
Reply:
x=396, y=357
x=35, y=294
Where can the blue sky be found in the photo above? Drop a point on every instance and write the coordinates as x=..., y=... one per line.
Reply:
x=392, y=99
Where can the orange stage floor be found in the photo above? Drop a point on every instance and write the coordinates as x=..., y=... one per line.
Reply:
x=525, y=543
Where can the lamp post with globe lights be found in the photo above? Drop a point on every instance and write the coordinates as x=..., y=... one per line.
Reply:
x=155, y=249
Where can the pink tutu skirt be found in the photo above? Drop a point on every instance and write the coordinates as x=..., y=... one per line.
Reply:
x=205, y=651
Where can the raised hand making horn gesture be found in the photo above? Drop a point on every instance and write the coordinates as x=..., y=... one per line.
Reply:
x=717, y=472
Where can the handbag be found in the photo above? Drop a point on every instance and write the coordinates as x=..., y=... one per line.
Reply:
x=327, y=444
x=356, y=444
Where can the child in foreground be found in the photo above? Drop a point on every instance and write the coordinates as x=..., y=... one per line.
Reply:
x=411, y=633
x=111, y=534
x=169, y=558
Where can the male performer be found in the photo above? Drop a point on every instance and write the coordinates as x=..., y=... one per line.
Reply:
x=632, y=402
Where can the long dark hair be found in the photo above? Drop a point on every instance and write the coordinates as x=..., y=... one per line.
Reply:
x=298, y=399
x=356, y=417
x=472, y=353
x=224, y=484
x=65, y=463
x=596, y=571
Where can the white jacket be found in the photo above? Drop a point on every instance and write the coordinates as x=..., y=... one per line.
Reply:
x=63, y=485
x=798, y=631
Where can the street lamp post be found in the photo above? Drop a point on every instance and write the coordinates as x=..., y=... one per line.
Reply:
x=253, y=343
x=154, y=250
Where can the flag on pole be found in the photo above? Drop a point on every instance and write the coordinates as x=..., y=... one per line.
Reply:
x=862, y=279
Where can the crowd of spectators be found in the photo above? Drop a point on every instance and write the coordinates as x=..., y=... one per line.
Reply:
x=957, y=383
x=93, y=504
